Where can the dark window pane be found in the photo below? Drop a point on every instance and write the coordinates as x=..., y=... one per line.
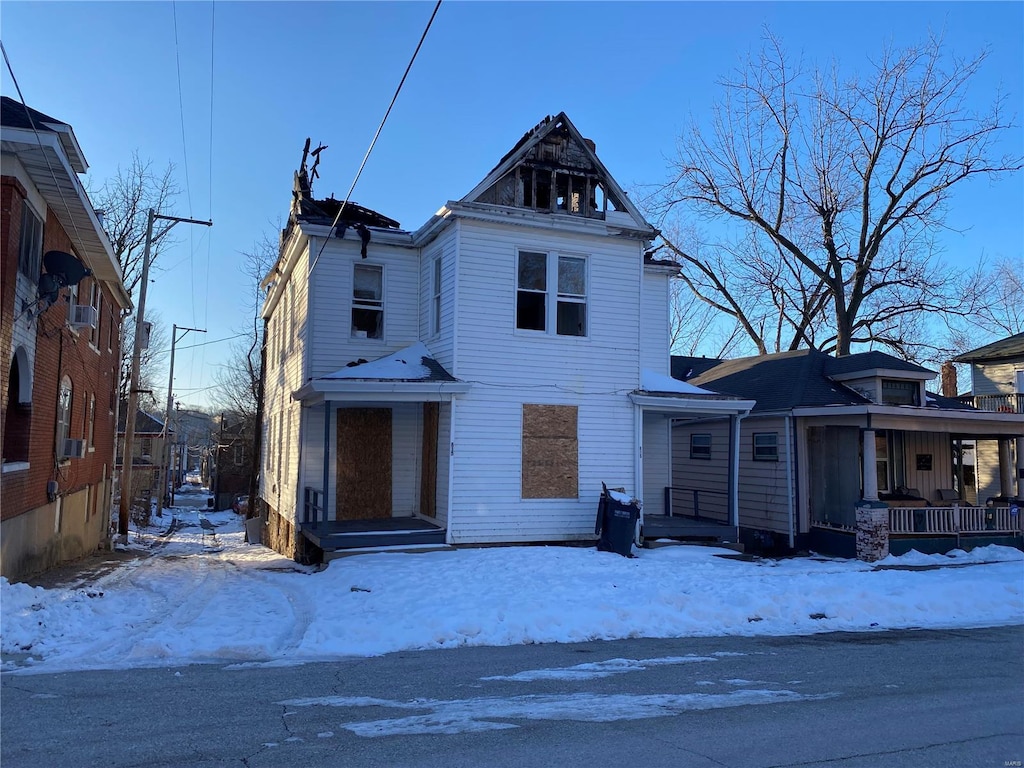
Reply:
x=572, y=276
x=533, y=271
x=572, y=319
x=368, y=281
x=367, y=323
x=530, y=311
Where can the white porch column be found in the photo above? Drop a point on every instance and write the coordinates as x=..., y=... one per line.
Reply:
x=869, y=469
x=1006, y=482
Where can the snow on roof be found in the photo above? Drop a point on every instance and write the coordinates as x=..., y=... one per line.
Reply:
x=404, y=365
x=656, y=382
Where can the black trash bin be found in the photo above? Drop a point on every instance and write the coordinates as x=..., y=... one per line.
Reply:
x=617, y=520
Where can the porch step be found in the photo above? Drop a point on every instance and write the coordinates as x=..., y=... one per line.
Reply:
x=333, y=536
x=686, y=529
x=401, y=548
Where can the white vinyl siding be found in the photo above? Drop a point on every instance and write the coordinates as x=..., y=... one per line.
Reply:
x=657, y=462
x=654, y=331
x=509, y=368
x=995, y=378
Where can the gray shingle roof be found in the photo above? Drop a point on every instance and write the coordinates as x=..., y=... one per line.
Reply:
x=1010, y=347
x=14, y=114
x=799, y=379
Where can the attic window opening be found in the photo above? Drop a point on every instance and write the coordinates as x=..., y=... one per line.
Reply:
x=900, y=392
x=367, y=301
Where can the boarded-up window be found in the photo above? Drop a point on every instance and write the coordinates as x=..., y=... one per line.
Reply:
x=550, y=452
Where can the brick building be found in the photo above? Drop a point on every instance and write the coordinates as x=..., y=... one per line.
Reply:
x=60, y=344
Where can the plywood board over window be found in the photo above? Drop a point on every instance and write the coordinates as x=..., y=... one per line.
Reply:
x=550, y=452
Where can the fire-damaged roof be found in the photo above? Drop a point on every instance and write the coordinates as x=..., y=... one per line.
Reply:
x=324, y=211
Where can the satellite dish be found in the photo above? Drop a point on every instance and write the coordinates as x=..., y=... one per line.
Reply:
x=67, y=269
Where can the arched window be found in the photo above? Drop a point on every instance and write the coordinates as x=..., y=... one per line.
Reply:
x=64, y=400
x=17, y=425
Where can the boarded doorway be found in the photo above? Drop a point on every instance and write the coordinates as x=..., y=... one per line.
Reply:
x=364, y=464
x=428, y=471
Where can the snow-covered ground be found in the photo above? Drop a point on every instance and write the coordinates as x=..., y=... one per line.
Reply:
x=193, y=599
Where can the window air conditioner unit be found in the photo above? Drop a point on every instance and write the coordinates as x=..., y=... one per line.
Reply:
x=73, y=449
x=83, y=316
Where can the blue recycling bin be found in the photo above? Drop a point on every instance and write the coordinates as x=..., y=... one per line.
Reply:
x=616, y=524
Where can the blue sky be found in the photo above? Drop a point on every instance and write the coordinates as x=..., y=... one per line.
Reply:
x=629, y=75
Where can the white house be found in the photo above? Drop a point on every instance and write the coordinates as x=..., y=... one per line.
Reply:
x=475, y=380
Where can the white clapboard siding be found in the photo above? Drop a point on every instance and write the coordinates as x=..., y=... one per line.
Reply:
x=657, y=462
x=509, y=368
x=986, y=469
x=654, y=323
x=441, y=344
x=331, y=343
x=406, y=450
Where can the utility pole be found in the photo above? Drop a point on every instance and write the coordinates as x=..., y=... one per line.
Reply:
x=166, y=452
x=133, y=386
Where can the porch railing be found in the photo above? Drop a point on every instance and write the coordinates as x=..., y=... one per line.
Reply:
x=1011, y=403
x=313, y=510
x=697, y=504
x=954, y=520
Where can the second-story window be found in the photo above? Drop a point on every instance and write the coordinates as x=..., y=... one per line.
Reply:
x=895, y=392
x=368, y=301
x=435, y=317
x=30, y=249
x=565, y=312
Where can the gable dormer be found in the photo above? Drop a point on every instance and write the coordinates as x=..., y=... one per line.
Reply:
x=554, y=170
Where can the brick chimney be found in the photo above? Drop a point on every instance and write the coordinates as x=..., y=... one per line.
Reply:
x=948, y=379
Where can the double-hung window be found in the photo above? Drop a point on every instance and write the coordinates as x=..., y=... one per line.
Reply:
x=551, y=293
x=435, y=305
x=30, y=249
x=368, y=301
x=64, y=400
x=766, y=446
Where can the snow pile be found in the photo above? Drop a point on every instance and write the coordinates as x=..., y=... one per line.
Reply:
x=200, y=600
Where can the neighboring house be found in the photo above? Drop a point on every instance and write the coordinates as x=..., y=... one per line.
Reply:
x=997, y=384
x=475, y=380
x=825, y=435
x=147, y=448
x=234, y=457
x=63, y=298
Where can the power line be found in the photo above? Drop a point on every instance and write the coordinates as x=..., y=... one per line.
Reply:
x=362, y=165
x=181, y=106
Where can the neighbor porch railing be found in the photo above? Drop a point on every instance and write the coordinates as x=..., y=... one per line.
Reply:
x=697, y=504
x=1010, y=403
x=954, y=520
x=313, y=510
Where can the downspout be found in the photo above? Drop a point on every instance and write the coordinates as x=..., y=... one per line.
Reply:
x=789, y=479
x=734, y=470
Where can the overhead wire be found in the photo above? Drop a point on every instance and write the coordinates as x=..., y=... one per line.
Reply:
x=380, y=128
x=209, y=241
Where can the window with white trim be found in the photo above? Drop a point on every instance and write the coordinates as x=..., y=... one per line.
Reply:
x=700, y=446
x=64, y=400
x=766, y=446
x=367, y=301
x=435, y=304
x=551, y=293
x=30, y=248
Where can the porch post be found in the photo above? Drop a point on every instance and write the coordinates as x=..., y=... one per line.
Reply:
x=734, y=470
x=1005, y=472
x=1020, y=467
x=872, y=515
x=869, y=467
x=325, y=488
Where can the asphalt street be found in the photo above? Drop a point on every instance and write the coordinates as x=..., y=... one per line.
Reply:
x=926, y=698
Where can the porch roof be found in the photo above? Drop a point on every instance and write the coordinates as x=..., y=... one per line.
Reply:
x=966, y=423
x=663, y=393
x=410, y=374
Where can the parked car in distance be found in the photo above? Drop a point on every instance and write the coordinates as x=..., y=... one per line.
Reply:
x=241, y=504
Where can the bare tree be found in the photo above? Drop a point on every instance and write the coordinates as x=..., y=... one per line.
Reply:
x=125, y=200
x=825, y=194
x=152, y=370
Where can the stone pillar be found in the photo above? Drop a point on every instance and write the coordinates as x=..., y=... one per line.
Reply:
x=1005, y=470
x=869, y=469
x=872, y=531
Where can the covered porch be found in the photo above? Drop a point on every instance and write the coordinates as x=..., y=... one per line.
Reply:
x=685, y=512
x=911, y=485
x=376, y=465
